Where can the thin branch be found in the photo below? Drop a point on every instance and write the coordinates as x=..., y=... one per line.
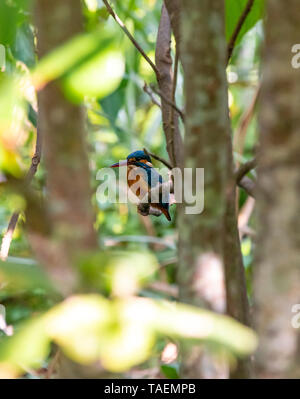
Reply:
x=244, y=216
x=164, y=63
x=53, y=364
x=173, y=99
x=244, y=169
x=243, y=181
x=148, y=225
x=162, y=160
x=164, y=288
x=147, y=90
x=248, y=185
x=169, y=102
x=176, y=62
x=153, y=89
x=36, y=159
x=238, y=29
x=131, y=38
x=7, y=238
x=240, y=134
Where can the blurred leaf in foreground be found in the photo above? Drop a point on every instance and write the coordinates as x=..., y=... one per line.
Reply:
x=91, y=64
x=170, y=371
x=120, y=273
x=12, y=114
x=120, y=333
x=20, y=274
x=11, y=15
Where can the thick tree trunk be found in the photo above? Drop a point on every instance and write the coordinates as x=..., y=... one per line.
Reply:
x=236, y=292
x=277, y=274
x=201, y=275
x=68, y=189
x=62, y=124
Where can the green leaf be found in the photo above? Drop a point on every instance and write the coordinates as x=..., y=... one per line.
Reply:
x=112, y=104
x=79, y=324
x=11, y=104
x=170, y=370
x=97, y=77
x=27, y=348
x=20, y=274
x=189, y=322
x=120, y=273
x=120, y=333
x=11, y=15
x=90, y=64
x=233, y=11
x=23, y=48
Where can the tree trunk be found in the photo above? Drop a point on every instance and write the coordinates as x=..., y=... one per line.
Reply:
x=201, y=276
x=236, y=290
x=68, y=189
x=277, y=275
x=62, y=126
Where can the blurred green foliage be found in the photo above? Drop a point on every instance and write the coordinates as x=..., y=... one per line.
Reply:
x=234, y=9
x=120, y=332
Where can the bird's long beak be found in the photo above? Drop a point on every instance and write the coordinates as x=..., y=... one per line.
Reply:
x=118, y=164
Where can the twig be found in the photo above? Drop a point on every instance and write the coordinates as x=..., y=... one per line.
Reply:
x=52, y=364
x=173, y=100
x=147, y=90
x=248, y=185
x=240, y=134
x=175, y=76
x=164, y=288
x=244, y=169
x=113, y=241
x=7, y=238
x=148, y=225
x=150, y=90
x=164, y=63
x=131, y=38
x=169, y=102
x=244, y=216
x=168, y=262
x=162, y=160
x=238, y=29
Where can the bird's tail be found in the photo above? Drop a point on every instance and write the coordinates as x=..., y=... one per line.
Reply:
x=166, y=213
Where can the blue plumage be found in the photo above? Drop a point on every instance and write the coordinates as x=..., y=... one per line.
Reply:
x=139, y=155
x=151, y=177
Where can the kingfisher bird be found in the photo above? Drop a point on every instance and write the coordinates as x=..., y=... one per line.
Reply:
x=147, y=178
